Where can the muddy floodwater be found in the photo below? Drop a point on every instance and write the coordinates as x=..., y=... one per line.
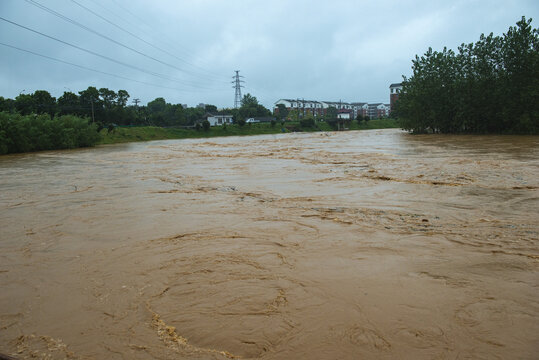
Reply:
x=353, y=245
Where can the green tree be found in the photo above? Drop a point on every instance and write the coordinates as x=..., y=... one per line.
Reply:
x=122, y=98
x=520, y=57
x=331, y=113
x=251, y=108
x=307, y=121
x=108, y=98
x=282, y=111
x=212, y=109
x=157, y=105
x=249, y=100
x=44, y=102
x=490, y=86
x=7, y=105
x=206, y=125
x=193, y=114
x=90, y=103
x=25, y=104
x=68, y=103
x=174, y=115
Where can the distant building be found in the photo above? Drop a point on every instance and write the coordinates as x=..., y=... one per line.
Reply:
x=345, y=114
x=394, y=91
x=360, y=108
x=304, y=107
x=319, y=108
x=345, y=110
x=216, y=120
x=378, y=110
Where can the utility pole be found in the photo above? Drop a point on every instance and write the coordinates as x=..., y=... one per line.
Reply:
x=93, y=118
x=237, y=86
x=136, y=101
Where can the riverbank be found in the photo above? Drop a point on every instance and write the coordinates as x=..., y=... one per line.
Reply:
x=148, y=133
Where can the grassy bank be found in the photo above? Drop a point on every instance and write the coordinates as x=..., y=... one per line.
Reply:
x=147, y=133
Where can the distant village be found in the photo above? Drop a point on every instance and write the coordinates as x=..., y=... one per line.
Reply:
x=345, y=110
x=318, y=108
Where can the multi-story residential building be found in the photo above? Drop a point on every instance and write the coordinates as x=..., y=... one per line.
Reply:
x=388, y=109
x=304, y=107
x=360, y=108
x=378, y=110
x=319, y=108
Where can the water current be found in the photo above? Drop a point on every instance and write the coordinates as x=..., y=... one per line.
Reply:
x=373, y=245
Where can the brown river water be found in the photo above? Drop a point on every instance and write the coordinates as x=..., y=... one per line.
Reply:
x=354, y=245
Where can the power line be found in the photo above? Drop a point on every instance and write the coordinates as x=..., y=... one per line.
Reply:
x=74, y=22
x=90, y=69
x=138, y=18
x=99, y=55
x=163, y=34
x=214, y=76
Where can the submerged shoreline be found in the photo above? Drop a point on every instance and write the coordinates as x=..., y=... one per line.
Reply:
x=148, y=133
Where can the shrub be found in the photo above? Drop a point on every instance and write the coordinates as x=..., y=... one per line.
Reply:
x=33, y=132
x=306, y=122
x=206, y=125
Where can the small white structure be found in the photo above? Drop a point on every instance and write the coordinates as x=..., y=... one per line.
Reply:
x=216, y=120
x=343, y=115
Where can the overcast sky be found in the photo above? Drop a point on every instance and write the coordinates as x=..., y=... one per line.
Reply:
x=187, y=51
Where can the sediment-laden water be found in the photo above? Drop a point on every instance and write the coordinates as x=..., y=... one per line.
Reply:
x=371, y=245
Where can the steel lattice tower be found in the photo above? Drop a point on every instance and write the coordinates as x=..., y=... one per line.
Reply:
x=237, y=85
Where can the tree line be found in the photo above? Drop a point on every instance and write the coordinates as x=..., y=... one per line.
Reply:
x=105, y=107
x=490, y=86
x=39, y=121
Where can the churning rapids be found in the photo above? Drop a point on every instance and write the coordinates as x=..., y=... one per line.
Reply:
x=372, y=245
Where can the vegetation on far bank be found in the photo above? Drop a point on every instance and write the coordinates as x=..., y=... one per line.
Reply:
x=106, y=107
x=33, y=132
x=146, y=133
x=24, y=133
x=490, y=87
x=37, y=121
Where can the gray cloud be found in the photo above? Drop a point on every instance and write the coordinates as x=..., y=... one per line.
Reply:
x=349, y=50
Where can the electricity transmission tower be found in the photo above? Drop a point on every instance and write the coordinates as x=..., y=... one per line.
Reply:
x=237, y=85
